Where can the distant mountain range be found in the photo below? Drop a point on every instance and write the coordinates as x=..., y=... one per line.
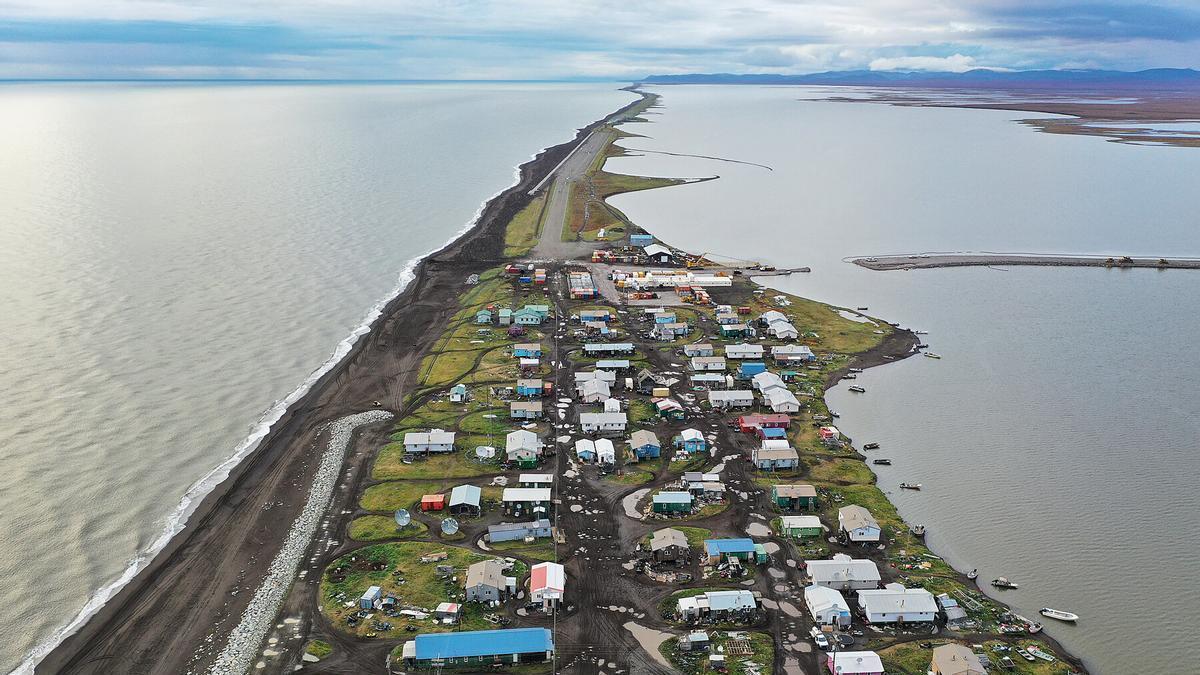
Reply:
x=1156, y=78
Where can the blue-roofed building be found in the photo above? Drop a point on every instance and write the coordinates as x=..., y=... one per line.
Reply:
x=722, y=549
x=749, y=370
x=515, y=645
x=641, y=239
x=771, y=432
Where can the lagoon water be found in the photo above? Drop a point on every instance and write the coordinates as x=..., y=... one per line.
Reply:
x=176, y=259
x=1057, y=437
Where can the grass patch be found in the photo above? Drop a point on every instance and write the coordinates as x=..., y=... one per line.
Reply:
x=382, y=528
x=401, y=494
x=318, y=648
x=631, y=476
x=541, y=549
x=458, y=464
x=911, y=659
x=446, y=368
x=397, y=570
x=761, y=659
x=522, y=232
x=840, y=470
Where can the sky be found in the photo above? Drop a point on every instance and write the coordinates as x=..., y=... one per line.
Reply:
x=580, y=39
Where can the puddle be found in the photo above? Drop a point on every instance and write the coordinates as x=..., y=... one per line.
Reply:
x=650, y=640
x=630, y=503
x=772, y=547
x=777, y=573
x=758, y=530
x=769, y=604
x=788, y=608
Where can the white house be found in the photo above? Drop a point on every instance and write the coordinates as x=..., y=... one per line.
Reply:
x=785, y=353
x=854, y=663
x=716, y=603
x=698, y=349
x=744, y=351
x=775, y=455
x=782, y=330
x=858, y=524
x=434, y=440
x=595, y=391
x=732, y=398
x=781, y=400
x=522, y=445
x=585, y=450
x=603, y=423
x=843, y=573
x=606, y=452
x=547, y=584
x=703, y=363
x=894, y=603
x=766, y=380
x=826, y=606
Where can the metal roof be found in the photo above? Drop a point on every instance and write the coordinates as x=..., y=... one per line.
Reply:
x=668, y=536
x=896, y=599
x=673, y=498
x=526, y=495
x=547, y=576
x=435, y=437
x=850, y=663
x=719, y=601
x=724, y=546
x=642, y=437
x=483, y=643
x=842, y=568
x=465, y=494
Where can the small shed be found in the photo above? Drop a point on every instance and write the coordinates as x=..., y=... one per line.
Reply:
x=433, y=502
x=466, y=500
x=368, y=599
x=458, y=393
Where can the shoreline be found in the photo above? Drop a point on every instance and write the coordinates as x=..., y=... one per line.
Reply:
x=886, y=263
x=473, y=248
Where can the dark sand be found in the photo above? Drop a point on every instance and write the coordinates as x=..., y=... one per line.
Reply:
x=160, y=619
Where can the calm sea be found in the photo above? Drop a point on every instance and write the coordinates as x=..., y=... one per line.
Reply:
x=176, y=260
x=1056, y=439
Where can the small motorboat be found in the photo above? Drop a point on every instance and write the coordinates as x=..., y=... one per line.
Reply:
x=922, y=345
x=833, y=414
x=1003, y=582
x=918, y=531
x=882, y=461
x=858, y=390
x=854, y=370
x=921, y=332
x=910, y=486
x=931, y=355
x=1025, y=655
x=973, y=574
x=850, y=376
x=1033, y=627
x=1070, y=617
x=862, y=309
x=871, y=446
x=1040, y=653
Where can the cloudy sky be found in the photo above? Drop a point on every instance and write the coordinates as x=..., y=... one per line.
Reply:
x=557, y=39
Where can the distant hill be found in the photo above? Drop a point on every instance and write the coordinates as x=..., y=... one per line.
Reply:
x=1157, y=78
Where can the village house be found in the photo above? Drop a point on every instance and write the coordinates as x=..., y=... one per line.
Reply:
x=843, y=573
x=708, y=363
x=425, y=442
x=534, y=529
x=594, y=315
x=531, y=315
x=718, y=605
x=792, y=354
x=955, y=659
x=827, y=606
x=764, y=380
x=663, y=316
x=672, y=502
x=531, y=502
x=794, y=497
x=594, y=391
x=896, y=604
x=770, y=433
x=486, y=582
x=603, y=423
x=731, y=398
x=448, y=612
x=691, y=441
x=504, y=316
x=523, y=447
x=744, y=351
x=727, y=318
x=525, y=410
x=645, y=444
x=599, y=328
x=781, y=400
x=670, y=331
x=534, y=388
x=614, y=365
x=712, y=381
x=830, y=435
x=547, y=584
x=585, y=450
x=719, y=550
x=605, y=349
x=527, y=350
x=858, y=525
x=606, y=452
x=458, y=393
x=466, y=500
x=668, y=544
x=698, y=349
x=612, y=405
x=736, y=330
x=483, y=316
x=532, y=480
x=775, y=455
x=502, y=646
x=749, y=424
x=748, y=370
x=778, y=325
x=606, y=376
x=669, y=409
x=854, y=663
x=801, y=527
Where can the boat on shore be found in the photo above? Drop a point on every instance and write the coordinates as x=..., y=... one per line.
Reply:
x=1025, y=655
x=917, y=531
x=1003, y=582
x=871, y=446
x=973, y=574
x=1069, y=617
x=850, y=376
x=910, y=486
x=854, y=370
x=931, y=355
x=858, y=390
x=882, y=461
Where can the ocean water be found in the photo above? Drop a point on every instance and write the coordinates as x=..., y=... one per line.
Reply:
x=177, y=260
x=1056, y=438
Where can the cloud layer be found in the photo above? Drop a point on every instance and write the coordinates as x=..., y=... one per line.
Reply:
x=553, y=39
